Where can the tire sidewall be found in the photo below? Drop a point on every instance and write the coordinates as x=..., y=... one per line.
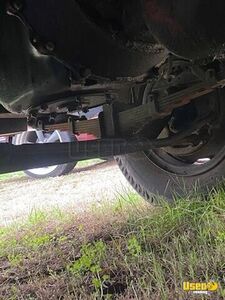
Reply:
x=60, y=170
x=149, y=180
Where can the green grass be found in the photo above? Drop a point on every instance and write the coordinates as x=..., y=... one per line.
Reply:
x=11, y=176
x=127, y=251
x=88, y=163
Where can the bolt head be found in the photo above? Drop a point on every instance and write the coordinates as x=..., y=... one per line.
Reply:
x=34, y=40
x=17, y=5
x=50, y=46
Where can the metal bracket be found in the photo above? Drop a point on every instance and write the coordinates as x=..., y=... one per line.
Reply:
x=109, y=121
x=10, y=123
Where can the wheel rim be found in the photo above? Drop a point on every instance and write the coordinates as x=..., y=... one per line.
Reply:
x=42, y=171
x=180, y=167
x=46, y=138
x=206, y=157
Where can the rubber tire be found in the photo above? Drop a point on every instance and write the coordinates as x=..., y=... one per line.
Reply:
x=153, y=183
x=31, y=137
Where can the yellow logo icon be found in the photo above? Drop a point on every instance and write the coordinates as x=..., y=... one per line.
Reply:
x=200, y=287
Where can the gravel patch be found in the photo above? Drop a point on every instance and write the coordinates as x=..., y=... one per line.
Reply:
x=77, y=191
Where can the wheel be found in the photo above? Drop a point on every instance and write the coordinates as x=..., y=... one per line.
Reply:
x=181, y=169
x=44, y=137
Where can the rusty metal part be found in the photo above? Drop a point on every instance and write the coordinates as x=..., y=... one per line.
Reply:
x=131, y=121
x=78, y=127
x=167, y=104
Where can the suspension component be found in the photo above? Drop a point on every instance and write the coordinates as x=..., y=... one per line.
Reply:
x=29, y=156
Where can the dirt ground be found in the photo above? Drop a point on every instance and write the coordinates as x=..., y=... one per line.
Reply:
x=77, y=191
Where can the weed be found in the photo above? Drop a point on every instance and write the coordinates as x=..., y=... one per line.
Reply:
x=36, y=241
x=90, y=262
x=134, y=247
x=15, y=259
x=146, y=254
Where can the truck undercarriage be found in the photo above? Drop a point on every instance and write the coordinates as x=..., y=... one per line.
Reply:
x=157, y=68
